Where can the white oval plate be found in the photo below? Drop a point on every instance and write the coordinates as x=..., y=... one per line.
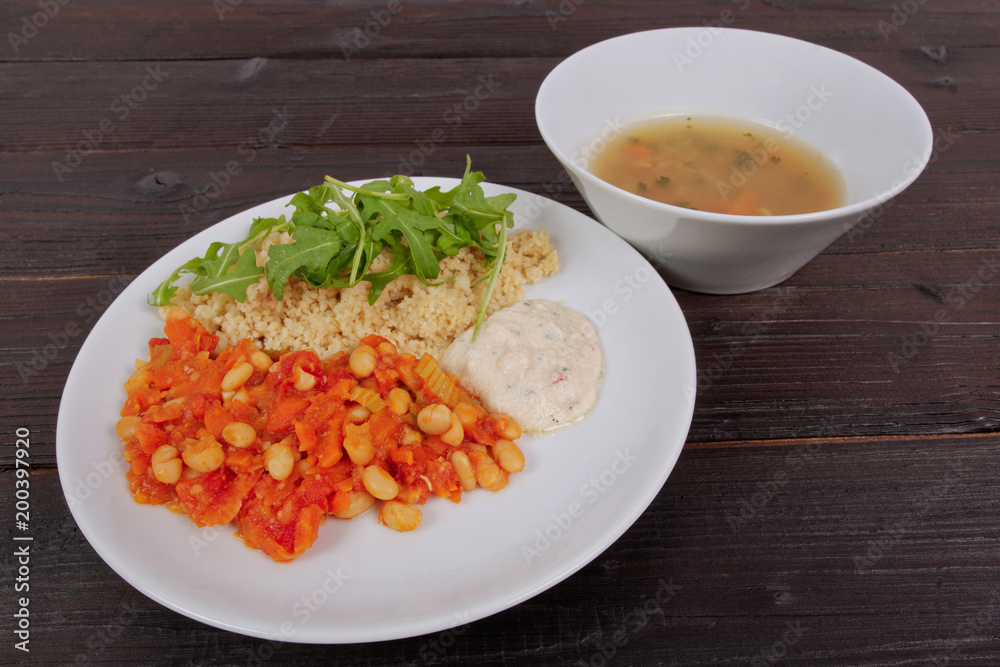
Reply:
x=360, y=582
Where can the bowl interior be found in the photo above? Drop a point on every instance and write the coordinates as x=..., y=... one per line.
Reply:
x=867, y=124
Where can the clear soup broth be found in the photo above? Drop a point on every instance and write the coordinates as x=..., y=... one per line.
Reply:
x=720, y=165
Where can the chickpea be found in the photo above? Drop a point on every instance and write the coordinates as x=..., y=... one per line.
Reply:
x=358, y=444
x=508, y=455
x=260, y=360
x=434, y=419
x=204, y=455
x=236, y=376
x=463, y=468
x=455, y=433
x=239, y=434
x=489, y=475
x=279, y=461
x=362, y=361
x=166, y=466
x=410, y=436
x=398, y=400
x=361, y=502
x=379, y=483
x=385, y=347
x=190, y=473
x=400, y=516
x=358, y=414
x=505, y=426
x=126, y=426
x=304, y=381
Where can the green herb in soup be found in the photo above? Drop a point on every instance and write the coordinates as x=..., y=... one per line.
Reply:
x=720, y=165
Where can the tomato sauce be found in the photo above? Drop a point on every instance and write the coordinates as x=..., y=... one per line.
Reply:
x=277, y=445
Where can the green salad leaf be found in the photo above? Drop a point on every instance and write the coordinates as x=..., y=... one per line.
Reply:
x=338, y=230
x=215, y=275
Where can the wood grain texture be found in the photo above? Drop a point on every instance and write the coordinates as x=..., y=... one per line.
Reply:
x=866, y=549
x=441, y=29
x=190, y=104
x=836, y=501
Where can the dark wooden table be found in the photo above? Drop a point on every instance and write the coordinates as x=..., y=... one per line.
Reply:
x=838, y=498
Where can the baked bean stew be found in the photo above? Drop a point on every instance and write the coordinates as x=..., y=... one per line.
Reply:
x=278, y=445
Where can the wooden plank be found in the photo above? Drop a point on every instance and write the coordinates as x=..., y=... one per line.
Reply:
x=222, y=103
x=359, y=30
x=834, y=538
x=824, y=386
x=112, y=106
x=836, y=501
x=960, y=295
x=127, y=209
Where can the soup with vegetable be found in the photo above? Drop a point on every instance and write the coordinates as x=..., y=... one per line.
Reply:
x=720, y=165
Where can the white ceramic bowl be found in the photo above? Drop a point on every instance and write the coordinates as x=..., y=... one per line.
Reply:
x=867, y=124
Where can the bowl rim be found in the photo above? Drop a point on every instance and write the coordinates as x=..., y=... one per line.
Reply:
x=859, y=208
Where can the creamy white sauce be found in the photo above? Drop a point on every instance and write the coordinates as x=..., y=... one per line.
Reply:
x=537, y=361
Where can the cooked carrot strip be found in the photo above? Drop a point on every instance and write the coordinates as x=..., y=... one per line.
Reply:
x=745, y=203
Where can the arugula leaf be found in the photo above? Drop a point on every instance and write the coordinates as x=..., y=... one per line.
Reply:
x=394, y=218
x=311, y=252
x=339, y=229
x=453, y=237
x=401, y=265
x=494, y=274
x=262, y=228
x=233, y=282
x=218, y=259
x=166, y=290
